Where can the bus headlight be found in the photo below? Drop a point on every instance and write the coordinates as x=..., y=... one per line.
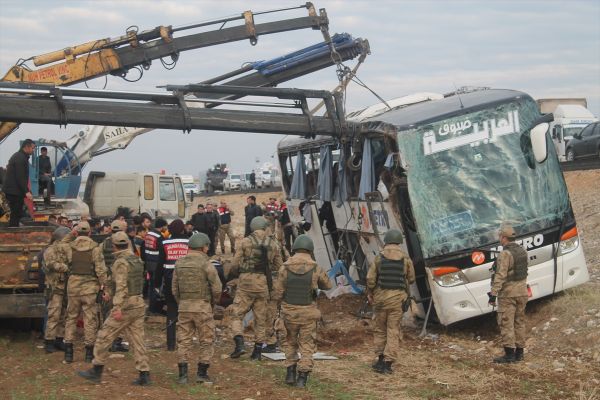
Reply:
x=449, y=276
x=569, y=241
x=567, y=246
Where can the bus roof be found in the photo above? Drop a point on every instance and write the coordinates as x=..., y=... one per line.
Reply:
x=447, y=107
x=295, y=143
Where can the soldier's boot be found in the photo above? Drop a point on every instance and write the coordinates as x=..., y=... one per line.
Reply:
x=270, y=348
x=89, y=354
x=143, y=379
x=68, y=353
x=519, y=354
x=257, y=352
x=508, y=357
x=222, y=250
x=49, y=346
x=59, y=344
x=302, y=379
x=388, y=367
x=93, y=374
x=183, y=373
x=379, y=366
x=290, y=377
x=239, y=347
x=118, y=346
x=202, y=375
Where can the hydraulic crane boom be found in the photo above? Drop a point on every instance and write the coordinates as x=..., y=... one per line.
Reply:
x=117, y=56
x=91, y=141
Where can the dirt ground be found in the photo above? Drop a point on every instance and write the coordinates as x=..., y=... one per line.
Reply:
x=562, y=359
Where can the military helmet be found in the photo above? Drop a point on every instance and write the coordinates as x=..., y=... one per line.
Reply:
x=120, y=238
x=258, y=223
x=118, y=226
x=303, y=242
x=393, y=236
x=83, y=227
x=59, y=233
x=198, y=240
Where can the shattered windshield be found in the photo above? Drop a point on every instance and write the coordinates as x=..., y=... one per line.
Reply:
x=468, y=174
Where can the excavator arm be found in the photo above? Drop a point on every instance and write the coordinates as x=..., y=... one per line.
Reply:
x=117, y=56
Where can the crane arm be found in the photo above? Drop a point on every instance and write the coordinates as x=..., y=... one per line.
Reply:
x=117, y=56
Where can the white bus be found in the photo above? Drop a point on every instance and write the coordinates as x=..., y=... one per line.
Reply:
x=446, y=172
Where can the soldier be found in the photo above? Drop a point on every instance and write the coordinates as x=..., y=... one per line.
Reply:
x=388, y=280
x=56, y=268
x=88, y=275
x=172, y=249
x=509, y=285
x=297, y=282
x=256, y=259
x=225, y=228
x=109, y=259
x=127, y=314
x=196, y=287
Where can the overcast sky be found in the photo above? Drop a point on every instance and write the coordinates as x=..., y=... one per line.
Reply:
x=544, y=48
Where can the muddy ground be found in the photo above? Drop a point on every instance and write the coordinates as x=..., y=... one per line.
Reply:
x=562, y=356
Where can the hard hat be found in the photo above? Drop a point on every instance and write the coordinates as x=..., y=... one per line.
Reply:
x=393, y=236
x=198, y=240
x=258, y=223
x=60, y=233
x=120, y=238
x=118, y=226
x=83, y=227
x=507, y=231
x=303, y=242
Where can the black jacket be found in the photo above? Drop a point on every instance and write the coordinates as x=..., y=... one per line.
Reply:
x=45, y=166
x=17, y=175
x=206, y=223
x=251, y=210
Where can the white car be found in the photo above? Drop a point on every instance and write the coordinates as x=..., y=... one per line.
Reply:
x=232, y=182
x=263, y=179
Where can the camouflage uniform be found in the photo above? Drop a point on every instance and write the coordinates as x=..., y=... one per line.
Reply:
x=512, y=296
x=388, y=302
x=252, y=292
x=128, y=276
x=300, y=319
x=195, y=286
x=56, y=268
x=87, y=274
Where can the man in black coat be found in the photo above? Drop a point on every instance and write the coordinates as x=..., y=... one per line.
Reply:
x=45, y=174
x=251, y=211
x=16, y=183
x=206, y=221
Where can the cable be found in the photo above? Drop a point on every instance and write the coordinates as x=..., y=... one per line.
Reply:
x=139, y=70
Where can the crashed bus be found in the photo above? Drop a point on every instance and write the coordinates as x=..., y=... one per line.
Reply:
x=446, y=171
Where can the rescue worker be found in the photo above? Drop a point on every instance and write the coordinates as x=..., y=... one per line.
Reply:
x=388, y=280
x=172, y=249
x=56, y=268
x=88, y=276
x=297, y=282
x=149, y=253
x=127, y=314
x=509, y=286
x=109, y=259
x=225, y=228
x=196, y=287
x=255, y=260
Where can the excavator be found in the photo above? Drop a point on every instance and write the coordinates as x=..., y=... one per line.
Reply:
x=136, y=50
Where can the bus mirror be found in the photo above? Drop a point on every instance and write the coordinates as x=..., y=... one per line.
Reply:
x=538, y=142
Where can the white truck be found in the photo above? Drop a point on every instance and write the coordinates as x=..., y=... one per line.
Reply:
x=570, y=117
x=189, y=186
x=158, y=195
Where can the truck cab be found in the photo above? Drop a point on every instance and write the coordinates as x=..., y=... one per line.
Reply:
x=569, y=120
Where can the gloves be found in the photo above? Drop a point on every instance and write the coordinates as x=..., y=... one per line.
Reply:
x=492, y=299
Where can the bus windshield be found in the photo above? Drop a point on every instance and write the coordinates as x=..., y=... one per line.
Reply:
x=468, y=174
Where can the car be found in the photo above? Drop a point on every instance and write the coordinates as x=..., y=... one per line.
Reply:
x=585, y=143
x=232, y=182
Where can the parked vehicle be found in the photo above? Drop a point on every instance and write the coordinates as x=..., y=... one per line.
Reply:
x=232, y=182
x=569, y=120
x=158, y=195
x=585, y=143
x=263, y=178
x=245, y=181
x=215, y=177
x=189, y=186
